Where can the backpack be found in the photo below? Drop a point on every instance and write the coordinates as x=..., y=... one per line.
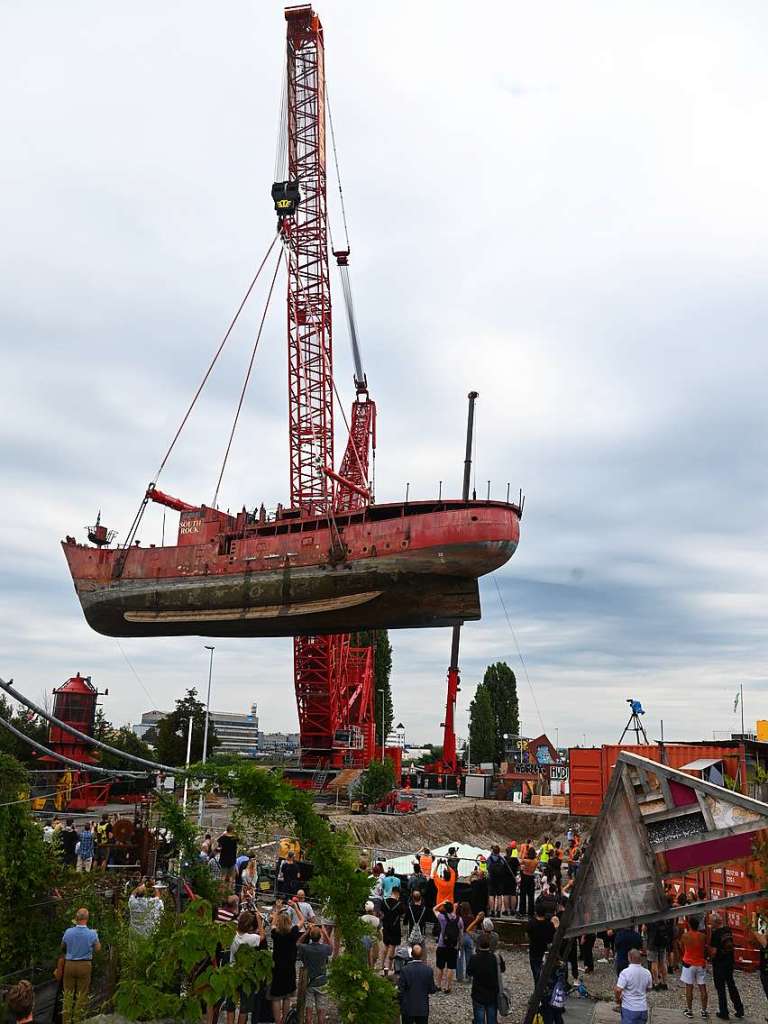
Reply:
x=557, y=999
x=451, y=933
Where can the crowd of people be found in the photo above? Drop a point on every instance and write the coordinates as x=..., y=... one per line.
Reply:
x=84, y=846
x=427, y=930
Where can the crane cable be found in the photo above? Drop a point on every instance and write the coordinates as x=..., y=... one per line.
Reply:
x=142, y=506
x=519, y=654
x=338, y=175
x=247, y=377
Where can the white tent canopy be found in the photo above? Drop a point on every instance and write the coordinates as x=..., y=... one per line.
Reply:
x=467, y=854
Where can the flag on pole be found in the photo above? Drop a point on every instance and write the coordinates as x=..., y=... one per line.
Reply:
x=736, y=701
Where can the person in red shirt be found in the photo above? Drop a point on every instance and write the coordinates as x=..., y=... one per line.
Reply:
x=694, y=959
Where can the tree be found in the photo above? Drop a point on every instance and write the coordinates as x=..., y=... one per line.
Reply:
x=169, y=736
x=377, y=780
x=28, y=871
x=123, y=738
x=482, y=727
x=500, y=681
x=28, y=723
x=382, y=660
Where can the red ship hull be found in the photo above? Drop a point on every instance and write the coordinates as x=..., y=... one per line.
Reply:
x=387, y=566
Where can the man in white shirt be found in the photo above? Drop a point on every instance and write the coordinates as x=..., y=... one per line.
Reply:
x=300, y=901
x=632, y=988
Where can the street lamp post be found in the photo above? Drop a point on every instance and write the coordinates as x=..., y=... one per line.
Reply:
x=201, y=802
x=189, y=755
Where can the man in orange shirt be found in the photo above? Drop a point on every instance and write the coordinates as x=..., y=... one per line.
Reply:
x=694, y=972
x=444, y=878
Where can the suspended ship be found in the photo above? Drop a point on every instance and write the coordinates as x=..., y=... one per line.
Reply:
x=409, y=564
x=334, y=561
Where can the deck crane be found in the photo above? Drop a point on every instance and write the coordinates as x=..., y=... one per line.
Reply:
x=333, y=677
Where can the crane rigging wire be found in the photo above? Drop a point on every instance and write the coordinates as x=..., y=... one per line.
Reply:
x=247, y=377
x=336, y=165
x=519, y=654
x=143, y=505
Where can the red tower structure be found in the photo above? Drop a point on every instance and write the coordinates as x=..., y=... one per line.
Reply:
x=333, y=677
x=74, y=702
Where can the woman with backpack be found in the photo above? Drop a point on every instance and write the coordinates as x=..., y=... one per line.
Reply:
x=448, y=944
x=416, y=921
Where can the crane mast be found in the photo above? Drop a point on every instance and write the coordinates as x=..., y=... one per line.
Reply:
x=333, y=677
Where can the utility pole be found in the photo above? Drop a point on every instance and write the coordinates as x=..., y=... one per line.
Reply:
x=201, y=802
x=189, y=755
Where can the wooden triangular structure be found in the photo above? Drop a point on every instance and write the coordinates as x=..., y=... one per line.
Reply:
x=655, y=822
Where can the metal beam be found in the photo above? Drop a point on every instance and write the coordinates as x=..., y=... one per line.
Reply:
x=689, y=910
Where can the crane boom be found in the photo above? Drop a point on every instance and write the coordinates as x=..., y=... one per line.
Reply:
x=332, y=676
x=310, y=348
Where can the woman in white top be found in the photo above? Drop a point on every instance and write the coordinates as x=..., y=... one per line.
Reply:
x=250, y=932
x=249, y=876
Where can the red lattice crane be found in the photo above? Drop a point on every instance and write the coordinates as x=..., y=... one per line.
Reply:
x=333, y=677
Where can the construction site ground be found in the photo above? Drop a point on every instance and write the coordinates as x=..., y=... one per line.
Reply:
x=461, y=819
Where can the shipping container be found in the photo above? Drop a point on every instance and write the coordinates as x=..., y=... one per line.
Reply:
x=586, y=781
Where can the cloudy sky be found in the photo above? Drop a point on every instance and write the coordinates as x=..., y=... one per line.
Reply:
x=560, y=205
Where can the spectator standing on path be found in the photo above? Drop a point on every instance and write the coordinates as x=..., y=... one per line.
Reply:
x=483, y=968
x=314, y=954
x=388, y=883
x=416, y=921
x=694, y=960
x=496, y=872
x=21, y=1002
x=556, y=866
x=528, y=866
x=509, y=885
x=415, y=985
x=722, y=945
x=632, y=988
x=658, y=937
x=288, y=875
x=451, y=934
x=85, y=849
x=425, y=862
x=250, y=932
x=228, y=853
x=68, y=843
x=417, y=882
x=372, y=940
x=391, y=917
x=467, y=947
x=541, y=931
x=144, y=910
x=478, y=891
x=444, y=878
x=300, y=900
x=626, y=939
x=78, y=945
x=285, y=937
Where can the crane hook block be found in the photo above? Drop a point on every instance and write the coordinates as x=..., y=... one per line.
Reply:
x=286, y=197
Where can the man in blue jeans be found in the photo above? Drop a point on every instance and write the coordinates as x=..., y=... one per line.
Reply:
x=632, y=988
